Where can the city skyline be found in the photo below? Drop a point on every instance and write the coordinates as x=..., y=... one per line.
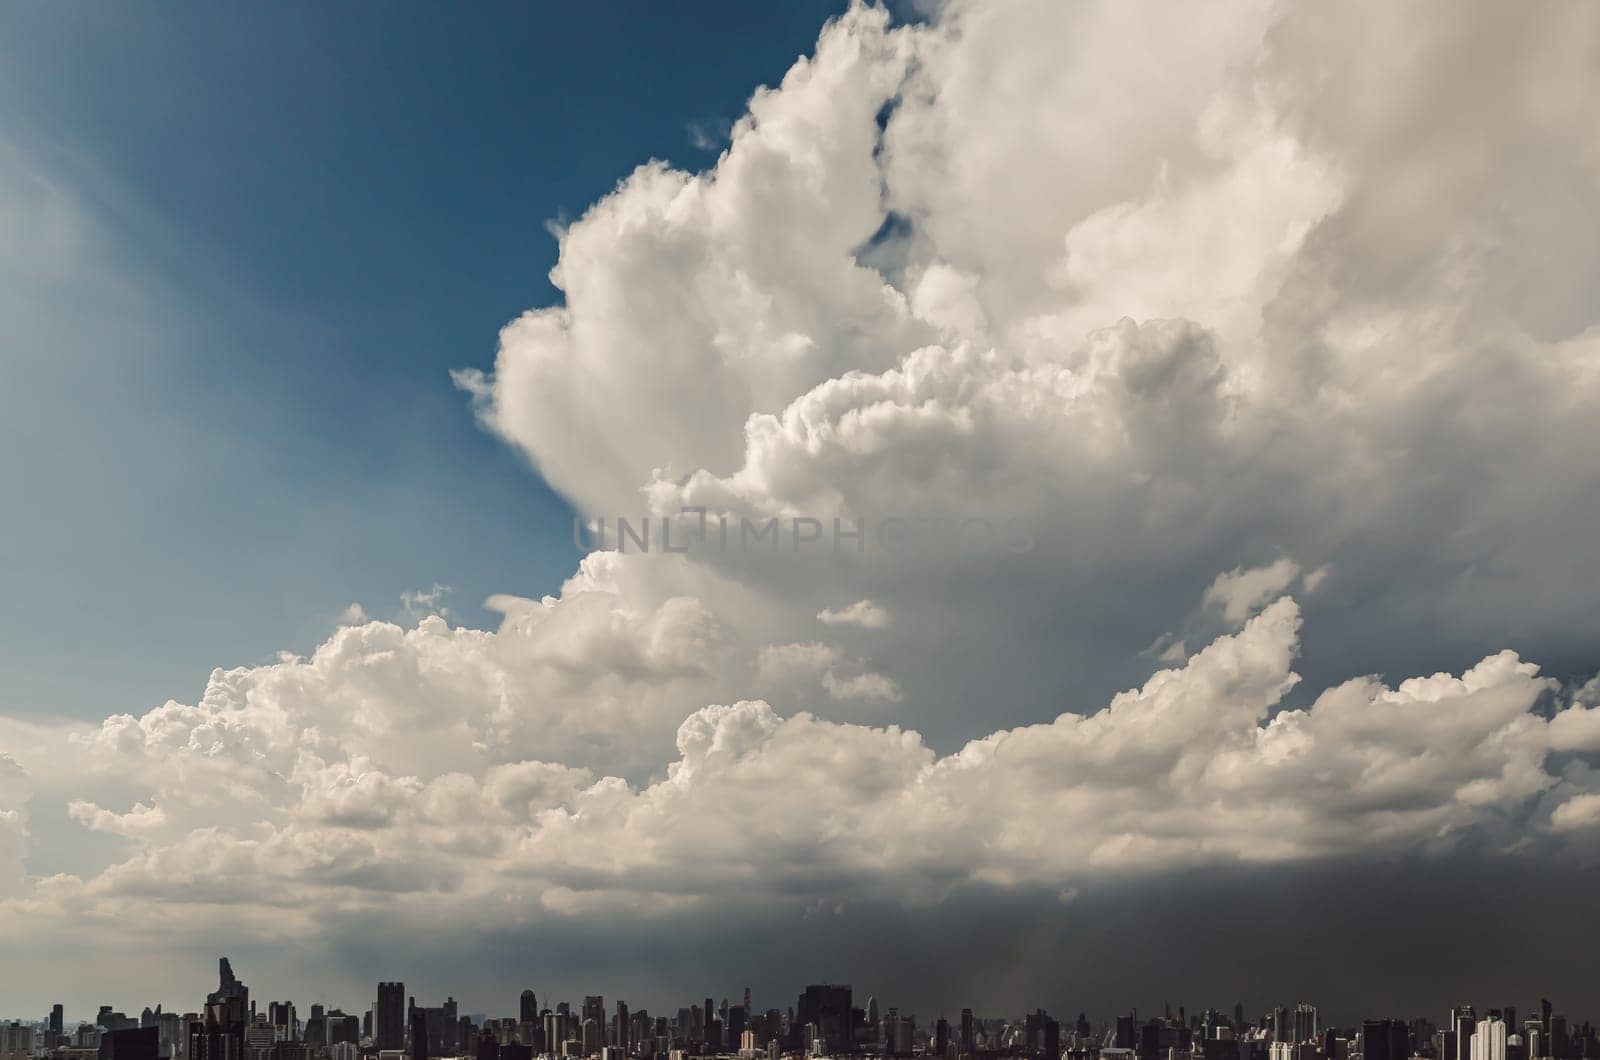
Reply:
x=826, y=1012
x=385, y=1019
x=1100, y=504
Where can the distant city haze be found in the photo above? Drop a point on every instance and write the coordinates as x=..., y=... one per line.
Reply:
x=825, y=1020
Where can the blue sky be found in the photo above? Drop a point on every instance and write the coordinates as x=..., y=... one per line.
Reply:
x=246, y=248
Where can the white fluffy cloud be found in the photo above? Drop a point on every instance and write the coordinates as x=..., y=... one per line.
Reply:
x=1135, y=288
x=863, y=613
x=1240, y=591
x=1201, y=764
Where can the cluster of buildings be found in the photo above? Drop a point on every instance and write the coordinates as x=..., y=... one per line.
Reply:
x=825, y=1021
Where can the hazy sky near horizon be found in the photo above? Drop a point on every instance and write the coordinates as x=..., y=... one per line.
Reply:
x=1263, y=338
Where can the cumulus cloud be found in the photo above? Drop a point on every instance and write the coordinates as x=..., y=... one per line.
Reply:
x=1199, y=765
x=1576, y=814
x=778, y=663
x=1241, y=591
x=420, y=602
x=1139, y=290
x=863, y=613
x=1576, y=729
x=862, y=686
x=141, y=820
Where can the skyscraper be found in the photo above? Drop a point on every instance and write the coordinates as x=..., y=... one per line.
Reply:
x=1385, y=1039
x=828, y=1007
x=419, y=1034
x=1305, y=1023
x=1488, y=1041
x=557, y=1029
x=1462, y=1022
x=143, y=1043
x=218, y=1034
x=529, y=1007
x=389, y=1017
x=1533, y=1038
x=281, y=1015
x=1126, y=1037
x=1560, y=1044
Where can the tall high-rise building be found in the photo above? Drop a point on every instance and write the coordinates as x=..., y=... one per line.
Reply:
x=529, y=1007
x=389, y=1016
x=142, y=1043
x=1385, y=1039
x=899, y=1032
x=1560, y=1044
x=968, y=1039
x=1034, y=1028
x=1488, y=1041
x=555, y=1030
x=450, y=1028
x=1462, y=1022
x=281, y=1015
x=259, y=1038
x=419, y=1034
x=624, y=1028
x=827, y=1006
x=1533, y=1038
x=219, y=1032
x=57, y=1019
x=1305, y=1023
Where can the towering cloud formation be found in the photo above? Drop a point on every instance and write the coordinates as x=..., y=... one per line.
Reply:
x=1234, y=311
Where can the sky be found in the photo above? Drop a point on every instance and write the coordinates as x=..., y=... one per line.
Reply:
x=245, y=249
x=1178, y=428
